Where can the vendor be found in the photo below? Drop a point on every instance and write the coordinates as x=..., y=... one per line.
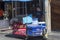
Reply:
x=39, y=14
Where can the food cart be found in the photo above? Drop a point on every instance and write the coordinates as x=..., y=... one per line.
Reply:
x=31, y=20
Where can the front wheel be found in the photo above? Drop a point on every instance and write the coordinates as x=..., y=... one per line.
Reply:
x=45, y=35
x=26, y=39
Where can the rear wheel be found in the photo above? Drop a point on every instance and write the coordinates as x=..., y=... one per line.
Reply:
x=26, y=39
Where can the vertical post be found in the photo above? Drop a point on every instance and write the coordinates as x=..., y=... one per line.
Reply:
x=12, y=10
x=6, y=11
x=15, y=8
x=48, y=15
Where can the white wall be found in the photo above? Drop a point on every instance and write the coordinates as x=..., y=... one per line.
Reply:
x=48, y=15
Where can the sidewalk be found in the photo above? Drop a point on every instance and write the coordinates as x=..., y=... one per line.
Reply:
x=9, y=30
x=5, y=30
x=52, y=36
x=55, y=33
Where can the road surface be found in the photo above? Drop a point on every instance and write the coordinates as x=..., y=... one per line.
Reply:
x=4, y=37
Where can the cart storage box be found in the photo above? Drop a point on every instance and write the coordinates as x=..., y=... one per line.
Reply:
x=21, y=32
x=35, y=30
x=19, y=29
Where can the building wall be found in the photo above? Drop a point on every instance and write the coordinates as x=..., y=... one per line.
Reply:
x=55, y=6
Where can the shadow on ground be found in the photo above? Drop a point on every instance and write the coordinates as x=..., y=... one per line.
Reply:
x=14, y=36
x=22, y=37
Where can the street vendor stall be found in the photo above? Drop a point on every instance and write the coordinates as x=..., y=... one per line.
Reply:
x=28, y=18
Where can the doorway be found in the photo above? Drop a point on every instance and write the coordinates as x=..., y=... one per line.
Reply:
x=55, y=15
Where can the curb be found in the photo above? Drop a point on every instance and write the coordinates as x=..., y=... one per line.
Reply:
x=3, y=29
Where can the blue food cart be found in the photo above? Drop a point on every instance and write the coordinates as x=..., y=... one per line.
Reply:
x=33, y=16
x=35, y=21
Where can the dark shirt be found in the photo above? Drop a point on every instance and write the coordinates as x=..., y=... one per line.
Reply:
x=38, y=13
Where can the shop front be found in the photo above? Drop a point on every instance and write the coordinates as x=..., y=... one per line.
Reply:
x=23, y=8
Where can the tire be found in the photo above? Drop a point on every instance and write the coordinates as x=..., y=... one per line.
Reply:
x=26, y=39
x=44, y=33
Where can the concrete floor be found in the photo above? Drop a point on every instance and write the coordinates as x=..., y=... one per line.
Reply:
x=3, y=37
x=53, y=36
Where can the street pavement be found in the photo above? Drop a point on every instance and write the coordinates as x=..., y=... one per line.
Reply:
x=53, y=36
x=3, y=37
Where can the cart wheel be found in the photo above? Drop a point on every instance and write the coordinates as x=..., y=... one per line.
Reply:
x=44, y=39
x=26, y=39
x=45, y=36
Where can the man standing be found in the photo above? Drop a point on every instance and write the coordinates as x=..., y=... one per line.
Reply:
x=39, y=14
